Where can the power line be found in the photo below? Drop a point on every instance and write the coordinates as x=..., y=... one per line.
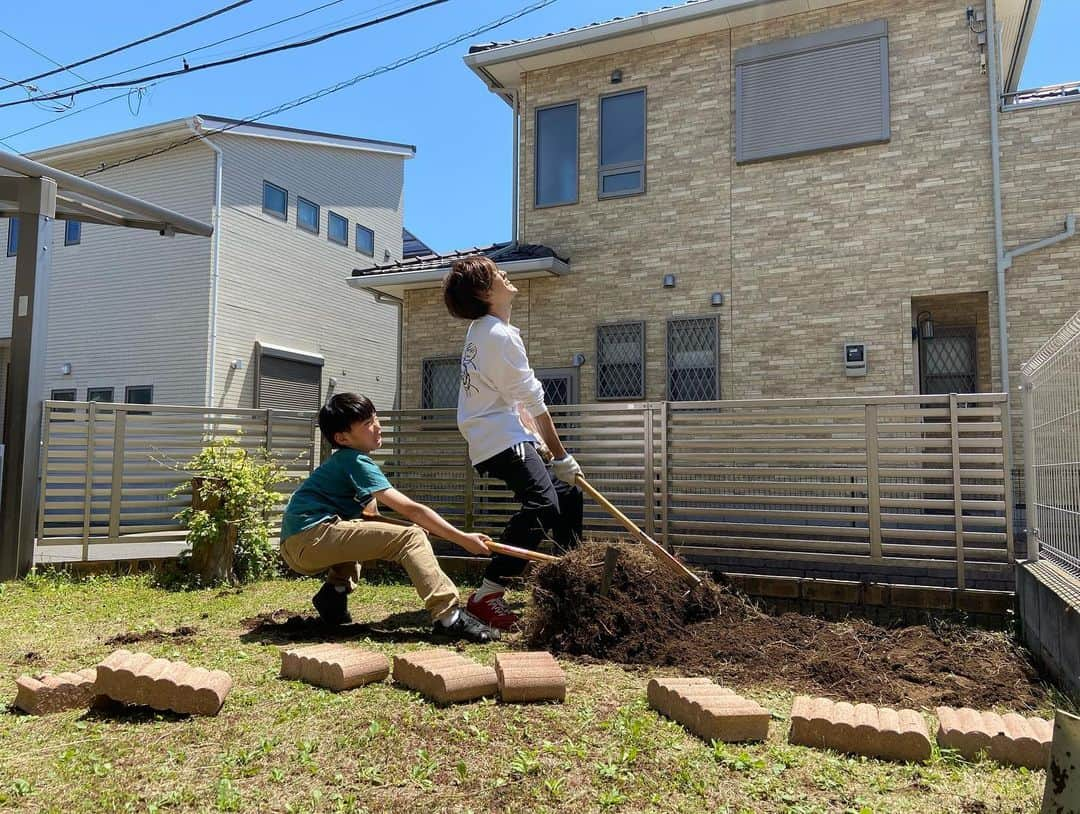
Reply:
x=125, y=95
x=192, y=69
x=43, y=56
x=120, y=48
x=211, y=45
x=311, y=97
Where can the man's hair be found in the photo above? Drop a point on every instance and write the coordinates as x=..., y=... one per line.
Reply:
x=466, y=284
x=341, y=412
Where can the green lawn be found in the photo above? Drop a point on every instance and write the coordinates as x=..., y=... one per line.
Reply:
x=285, y=746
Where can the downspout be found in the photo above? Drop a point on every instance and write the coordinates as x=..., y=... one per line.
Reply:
x=195, y=124
x=386, y=299
x=995, y=164
x=515, y=180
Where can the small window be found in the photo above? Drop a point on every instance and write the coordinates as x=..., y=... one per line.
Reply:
x=560, y=385
x=622, y=144
x=337, y=229
x=275, y=201
x=63, y=395
x=307, y=216
x=620, y=361
x=13, y=237
x=365, y=240
x=557, y=155
x=72, y=233
x=99, y=394
x=139, y=394
x=693, y=359
x=441, y=380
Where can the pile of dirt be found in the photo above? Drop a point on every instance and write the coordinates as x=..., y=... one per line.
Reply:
x=648, y=618
x=184, y=633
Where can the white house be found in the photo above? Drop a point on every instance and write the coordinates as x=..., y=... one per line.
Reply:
x=256, y=316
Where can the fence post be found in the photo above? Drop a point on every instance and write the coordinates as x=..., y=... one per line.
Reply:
x=88, y=482
x=269, y=429
x=650, y=475
x=664, y=474
x=958, y=490
x=873, y=481
x=1006, y=465
x=117, y=483
x=43, y=468
x=1031, y=499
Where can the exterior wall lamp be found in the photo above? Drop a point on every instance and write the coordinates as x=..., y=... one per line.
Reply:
x=669, y=281
x=924, y=326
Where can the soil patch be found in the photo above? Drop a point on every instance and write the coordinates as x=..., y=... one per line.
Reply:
x=183, y=633
x=649, y=619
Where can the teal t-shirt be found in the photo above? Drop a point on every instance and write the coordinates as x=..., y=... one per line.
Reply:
x=341, y=487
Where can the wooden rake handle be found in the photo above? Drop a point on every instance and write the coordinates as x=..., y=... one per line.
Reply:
x=654, y=547
x=494, y=547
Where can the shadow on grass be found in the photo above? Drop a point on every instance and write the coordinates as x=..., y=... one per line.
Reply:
x=108, y=710
x=279, y=627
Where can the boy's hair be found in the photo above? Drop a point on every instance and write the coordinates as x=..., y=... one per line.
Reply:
x=466, y=284
x=341, y=412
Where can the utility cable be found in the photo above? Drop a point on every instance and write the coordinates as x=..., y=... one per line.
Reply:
x=311, y=97
x=120, y=48
x=194, y=68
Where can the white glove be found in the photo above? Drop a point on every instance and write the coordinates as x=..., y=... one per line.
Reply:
x=566, y=469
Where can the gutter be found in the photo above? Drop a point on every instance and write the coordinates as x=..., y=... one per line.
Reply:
x=196, y=126
x=385, y=299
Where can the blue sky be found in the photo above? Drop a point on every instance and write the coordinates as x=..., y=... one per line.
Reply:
x=457, y=188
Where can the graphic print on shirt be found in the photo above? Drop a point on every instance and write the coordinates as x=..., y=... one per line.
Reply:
x=467, y=361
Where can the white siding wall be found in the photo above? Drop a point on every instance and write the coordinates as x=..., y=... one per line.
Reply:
x=127, y=306
x=284, y=286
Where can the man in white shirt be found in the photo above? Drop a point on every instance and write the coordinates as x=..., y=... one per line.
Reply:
x=496, y=382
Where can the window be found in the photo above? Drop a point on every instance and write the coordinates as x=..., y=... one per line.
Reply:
x=72, y=233
x=693, y=359
x=63, y=395
x=365, y=240
x=620, y=361
x=307, y=215
x=287, y=379
x=139, y=394
x=622, y=144
x=560, y=385
x=557, y=155
x=99, y=394
x=275, y=201
x=13, y=237
x=826, y=90
x=440, y=381
x=337, y=228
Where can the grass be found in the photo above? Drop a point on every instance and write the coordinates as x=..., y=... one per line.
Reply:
x=285, y=746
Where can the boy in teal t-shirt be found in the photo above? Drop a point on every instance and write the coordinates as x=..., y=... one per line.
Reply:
x=329, y=525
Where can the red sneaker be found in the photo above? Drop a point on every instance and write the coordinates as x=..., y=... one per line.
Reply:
x=492, y=610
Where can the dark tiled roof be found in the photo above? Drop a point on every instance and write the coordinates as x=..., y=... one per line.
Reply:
x=487, y=46
x=499, y=252
x=412, y=246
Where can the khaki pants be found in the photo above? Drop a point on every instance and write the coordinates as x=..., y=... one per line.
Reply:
x=340, y=546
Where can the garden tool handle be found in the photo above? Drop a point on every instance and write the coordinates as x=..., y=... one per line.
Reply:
x=520, y=553
x=657, y=550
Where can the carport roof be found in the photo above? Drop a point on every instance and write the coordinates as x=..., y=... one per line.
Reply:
x=83, y=200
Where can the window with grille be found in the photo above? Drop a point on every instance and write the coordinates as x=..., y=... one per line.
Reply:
x=440, y=380
x=620, y=361
x=560, y=385
x=693, y=359
x=948, y=361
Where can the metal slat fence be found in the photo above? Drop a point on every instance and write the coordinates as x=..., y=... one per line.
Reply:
x=1051, y=388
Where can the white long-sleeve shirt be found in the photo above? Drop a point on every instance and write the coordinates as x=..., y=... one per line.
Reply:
x=495, y=378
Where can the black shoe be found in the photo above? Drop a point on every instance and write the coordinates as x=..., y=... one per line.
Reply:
x=332, y=605
x=468, y=628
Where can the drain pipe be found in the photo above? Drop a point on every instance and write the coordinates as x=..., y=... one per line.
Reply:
x=514, y=181
x=995, y=164
x=386, y=299
x=196, y=126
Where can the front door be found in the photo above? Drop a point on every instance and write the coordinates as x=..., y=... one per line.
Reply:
x=947, y=363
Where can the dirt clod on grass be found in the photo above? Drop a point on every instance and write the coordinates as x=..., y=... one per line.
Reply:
x=648, y=618
x=183, y=633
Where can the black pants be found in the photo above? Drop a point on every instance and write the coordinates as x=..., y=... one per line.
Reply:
x=550, y=509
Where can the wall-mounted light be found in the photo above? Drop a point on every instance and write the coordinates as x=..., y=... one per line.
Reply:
x=717, y=298
x=237, y=364
x=616, y=76
x=669, y=281
x=65, y=369
x=924, y=326
x=578, y=359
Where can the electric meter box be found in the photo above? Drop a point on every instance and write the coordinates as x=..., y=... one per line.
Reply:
x=854, y=358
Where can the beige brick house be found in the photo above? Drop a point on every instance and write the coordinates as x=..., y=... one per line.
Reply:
x=719, y=199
